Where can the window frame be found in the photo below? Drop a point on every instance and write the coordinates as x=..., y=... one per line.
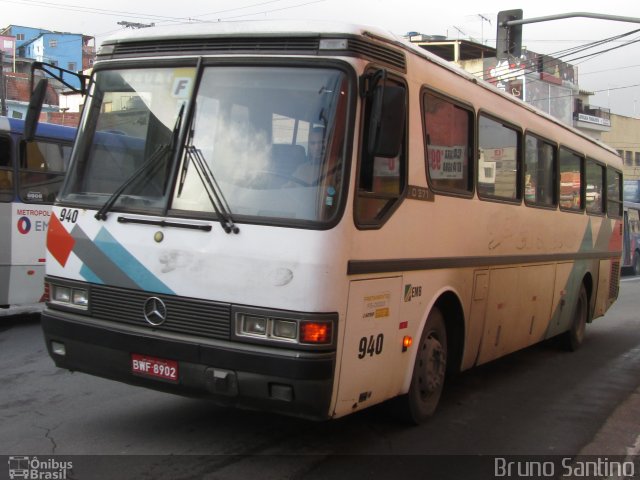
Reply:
x=346, y=148
x=472, y=143
x=582, y=158
x=603, y=196
x=23, y=168
x=389, y=209
x=619, y=201
x=556, y=171
x=9, y=195
x=519, y=159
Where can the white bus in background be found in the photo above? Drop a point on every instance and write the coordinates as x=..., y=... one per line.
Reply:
x=631, y=238
x=31, y=174
x=446, y=224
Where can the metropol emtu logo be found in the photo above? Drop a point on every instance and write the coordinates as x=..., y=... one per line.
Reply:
x=24, y=225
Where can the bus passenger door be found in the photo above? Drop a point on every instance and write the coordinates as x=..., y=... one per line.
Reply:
x=370, y=348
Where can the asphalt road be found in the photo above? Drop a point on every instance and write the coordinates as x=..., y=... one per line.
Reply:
x=540, y=403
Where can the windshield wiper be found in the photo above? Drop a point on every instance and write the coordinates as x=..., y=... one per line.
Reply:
x=153, y=161
x=216, y=197
x=185, y=165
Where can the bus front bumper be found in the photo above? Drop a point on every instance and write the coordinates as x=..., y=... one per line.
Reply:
x=230, y=373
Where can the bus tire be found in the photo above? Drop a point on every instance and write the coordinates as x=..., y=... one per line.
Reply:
x=429, y=372
x=574, y=337
x=636, y=263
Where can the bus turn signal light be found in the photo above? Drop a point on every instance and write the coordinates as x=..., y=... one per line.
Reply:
x=315, y=332
x=406, y=343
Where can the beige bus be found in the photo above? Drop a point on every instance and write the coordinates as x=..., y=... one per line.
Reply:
x=439, y=223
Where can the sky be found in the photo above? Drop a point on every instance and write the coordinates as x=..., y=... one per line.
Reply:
x=613, y=76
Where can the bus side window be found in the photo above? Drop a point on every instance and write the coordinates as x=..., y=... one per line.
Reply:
x=6, y=170
x=594, y=196
x=42, y=167
x=571, y=166
x=614, y=193
x=382, y=180
x=449, y=138
x=498, y=160
x=540, y=159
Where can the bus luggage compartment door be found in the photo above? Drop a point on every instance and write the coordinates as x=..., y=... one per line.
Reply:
x=370, y=346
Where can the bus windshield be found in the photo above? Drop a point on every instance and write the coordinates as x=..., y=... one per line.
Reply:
x=271, y=138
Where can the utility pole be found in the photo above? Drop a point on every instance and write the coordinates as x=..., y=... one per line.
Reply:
x=482, y=20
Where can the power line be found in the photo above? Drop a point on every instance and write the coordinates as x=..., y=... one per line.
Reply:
x=609, y=70
x=264, y=11
x=158, y=18
x=237, y=8
x=563, y=55
x=93, y=10
x=535, y=100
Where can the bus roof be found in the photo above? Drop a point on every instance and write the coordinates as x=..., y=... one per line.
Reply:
x=258, y=28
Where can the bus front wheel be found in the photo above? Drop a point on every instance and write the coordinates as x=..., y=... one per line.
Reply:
x=429, y=371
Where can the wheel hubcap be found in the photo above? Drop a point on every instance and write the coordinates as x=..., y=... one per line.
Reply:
x=432, y=366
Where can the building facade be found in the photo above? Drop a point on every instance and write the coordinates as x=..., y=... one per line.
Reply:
x=624, y=136
x=22, y=46
x=545, y=82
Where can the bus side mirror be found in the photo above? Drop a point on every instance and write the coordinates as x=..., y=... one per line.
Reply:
x=35, y=107
x=386, y=125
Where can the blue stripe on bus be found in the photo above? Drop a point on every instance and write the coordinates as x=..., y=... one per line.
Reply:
x=89, y=276
x=135, y=270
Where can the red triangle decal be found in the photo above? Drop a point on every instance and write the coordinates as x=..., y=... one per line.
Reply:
x=59, y=241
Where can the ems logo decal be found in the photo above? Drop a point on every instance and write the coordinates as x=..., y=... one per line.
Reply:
x=411, y=291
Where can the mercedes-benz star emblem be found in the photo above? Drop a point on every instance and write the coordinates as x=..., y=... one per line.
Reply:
x=155, y=311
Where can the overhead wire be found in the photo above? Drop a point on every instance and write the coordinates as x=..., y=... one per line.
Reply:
x=609, y=70
x=564, y=55
x=275, y=10
x=161, y=19
x=93, y=10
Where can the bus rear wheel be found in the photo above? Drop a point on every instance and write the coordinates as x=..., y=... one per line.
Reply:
x=574, y=338
x=429, y=372
x=636, y=263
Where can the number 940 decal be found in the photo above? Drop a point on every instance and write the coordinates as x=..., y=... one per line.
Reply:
x=370, y=346
x=68, y=215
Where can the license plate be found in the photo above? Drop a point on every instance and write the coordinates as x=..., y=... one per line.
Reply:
x=154, y=367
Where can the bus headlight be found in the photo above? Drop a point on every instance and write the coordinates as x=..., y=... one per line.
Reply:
x=285, y=329
x=61, y=294
x=254, y=325
x=307, y=331
x=67, y=296
x=80, y=297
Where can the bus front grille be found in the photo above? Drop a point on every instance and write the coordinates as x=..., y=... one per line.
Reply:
x=183, y=315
